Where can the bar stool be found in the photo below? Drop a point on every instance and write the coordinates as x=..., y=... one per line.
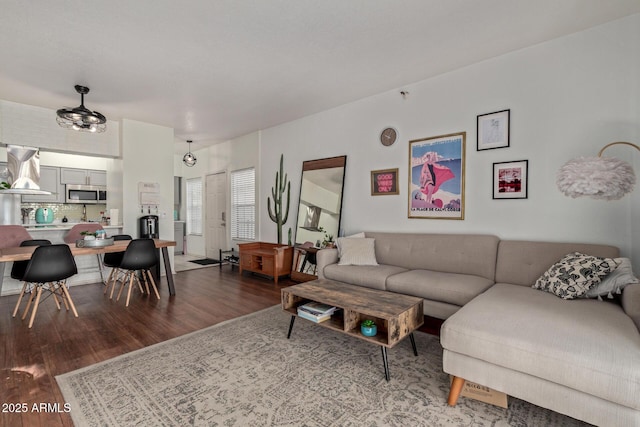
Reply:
x=19, y=267
x=139, y=256
x=51, y=265
x=113, y=260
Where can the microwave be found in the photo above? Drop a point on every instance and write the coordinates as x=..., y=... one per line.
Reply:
x=85, y=194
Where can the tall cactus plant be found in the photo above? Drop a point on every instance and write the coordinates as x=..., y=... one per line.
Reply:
x=278, y=215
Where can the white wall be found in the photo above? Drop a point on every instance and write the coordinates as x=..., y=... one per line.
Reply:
x=238, y=153
x=147, y=156
x=568, y=97
x=33, y=126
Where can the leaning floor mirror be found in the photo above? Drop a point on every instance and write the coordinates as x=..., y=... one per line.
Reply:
x=319, y=212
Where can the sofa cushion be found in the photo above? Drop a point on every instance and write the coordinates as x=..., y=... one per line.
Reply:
x=584, y=344
x=573, y=275
x=362, y=275
x=356, y=251
x=451, y=288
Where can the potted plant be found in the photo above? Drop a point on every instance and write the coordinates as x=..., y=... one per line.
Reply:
x=368, y=328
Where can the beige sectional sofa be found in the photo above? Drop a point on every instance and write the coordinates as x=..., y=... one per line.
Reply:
x=578, y=357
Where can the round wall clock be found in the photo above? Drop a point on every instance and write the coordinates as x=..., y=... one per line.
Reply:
x=388, y=136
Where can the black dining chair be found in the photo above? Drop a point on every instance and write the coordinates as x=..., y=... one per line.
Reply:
x=50, y=265
x=113, y=260
x=19, y=267
x=139, y=256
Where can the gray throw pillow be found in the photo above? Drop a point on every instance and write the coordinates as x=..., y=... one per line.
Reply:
x=615, y=282
x=574, y=275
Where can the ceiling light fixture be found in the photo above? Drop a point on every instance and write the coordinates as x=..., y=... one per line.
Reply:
x=599, y=177
x=81, y=118
x=189, y=159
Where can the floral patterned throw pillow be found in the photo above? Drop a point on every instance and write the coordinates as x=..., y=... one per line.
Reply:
x=574, y=275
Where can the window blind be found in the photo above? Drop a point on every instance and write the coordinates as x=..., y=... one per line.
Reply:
x=243, y=204
x=194, y=206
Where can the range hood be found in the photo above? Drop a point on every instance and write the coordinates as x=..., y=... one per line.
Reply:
x=23, y=171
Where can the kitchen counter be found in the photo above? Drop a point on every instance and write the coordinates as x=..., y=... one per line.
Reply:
x=62, y=226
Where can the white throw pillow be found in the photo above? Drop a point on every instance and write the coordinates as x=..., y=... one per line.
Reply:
x=353, y=236
x=360, y=251
x=615, y=281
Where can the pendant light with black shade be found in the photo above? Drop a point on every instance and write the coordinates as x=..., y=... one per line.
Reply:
x=81, y=118
x=189, y=159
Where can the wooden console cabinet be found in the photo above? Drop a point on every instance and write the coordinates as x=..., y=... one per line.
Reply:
x=270, y=259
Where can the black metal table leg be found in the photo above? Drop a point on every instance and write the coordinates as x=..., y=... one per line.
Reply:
x=293, y=319
x=385, y=361
x=413, y=344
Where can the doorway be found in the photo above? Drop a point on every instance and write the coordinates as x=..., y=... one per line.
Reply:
x=216, y=216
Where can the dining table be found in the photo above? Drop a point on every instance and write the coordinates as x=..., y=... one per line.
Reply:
x=23, y=253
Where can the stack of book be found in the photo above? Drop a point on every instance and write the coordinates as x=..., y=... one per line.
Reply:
x=316, y=312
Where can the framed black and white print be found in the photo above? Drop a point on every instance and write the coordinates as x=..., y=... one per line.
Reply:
x=493, y=130
x=511, y=180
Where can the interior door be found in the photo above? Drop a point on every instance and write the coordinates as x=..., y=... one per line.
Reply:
x=216, y=215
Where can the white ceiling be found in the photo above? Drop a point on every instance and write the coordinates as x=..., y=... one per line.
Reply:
x=214, y=70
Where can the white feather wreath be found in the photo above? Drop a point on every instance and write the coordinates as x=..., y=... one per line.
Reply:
x=598, y=177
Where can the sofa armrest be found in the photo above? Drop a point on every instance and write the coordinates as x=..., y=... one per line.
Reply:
x=325, y=257
x=631, y=302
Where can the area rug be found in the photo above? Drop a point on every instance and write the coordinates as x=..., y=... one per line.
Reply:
x=205, y=261
x=245, y=372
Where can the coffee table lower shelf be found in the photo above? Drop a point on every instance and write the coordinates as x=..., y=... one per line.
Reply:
x=396, y=316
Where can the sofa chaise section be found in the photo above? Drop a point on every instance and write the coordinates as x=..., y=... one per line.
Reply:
x=577, y=357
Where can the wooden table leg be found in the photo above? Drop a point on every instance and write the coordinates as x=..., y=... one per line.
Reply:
x=167, y=270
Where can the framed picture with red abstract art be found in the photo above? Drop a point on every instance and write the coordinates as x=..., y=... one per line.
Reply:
x=436, y=177
x=511, y=179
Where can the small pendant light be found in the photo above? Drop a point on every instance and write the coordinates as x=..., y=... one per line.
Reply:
x=189, y=159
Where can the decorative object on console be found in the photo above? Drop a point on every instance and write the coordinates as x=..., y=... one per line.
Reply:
x=511, y=180
x=384, y=182
x=189, y=159
x=81, y=118
x=388, y=136
x=493, y=130
x=599, y=177
x=436, y=177
x=277, y=215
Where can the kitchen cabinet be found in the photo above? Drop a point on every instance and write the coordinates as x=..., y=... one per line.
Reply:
x=49, y=181
x=83, y=177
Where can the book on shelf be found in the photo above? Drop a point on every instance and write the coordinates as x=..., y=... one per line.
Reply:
x=318, y=308
x=313, y=317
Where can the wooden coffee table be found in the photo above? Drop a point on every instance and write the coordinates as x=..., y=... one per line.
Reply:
x=396, y=315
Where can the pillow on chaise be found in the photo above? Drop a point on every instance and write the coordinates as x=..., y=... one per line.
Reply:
x=358, y=251
x=615, y=281
x=574, y=275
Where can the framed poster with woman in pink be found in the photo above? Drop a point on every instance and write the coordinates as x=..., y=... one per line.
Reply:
x=436, y=178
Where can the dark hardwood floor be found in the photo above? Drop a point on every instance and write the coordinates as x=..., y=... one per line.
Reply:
x=58, y=342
